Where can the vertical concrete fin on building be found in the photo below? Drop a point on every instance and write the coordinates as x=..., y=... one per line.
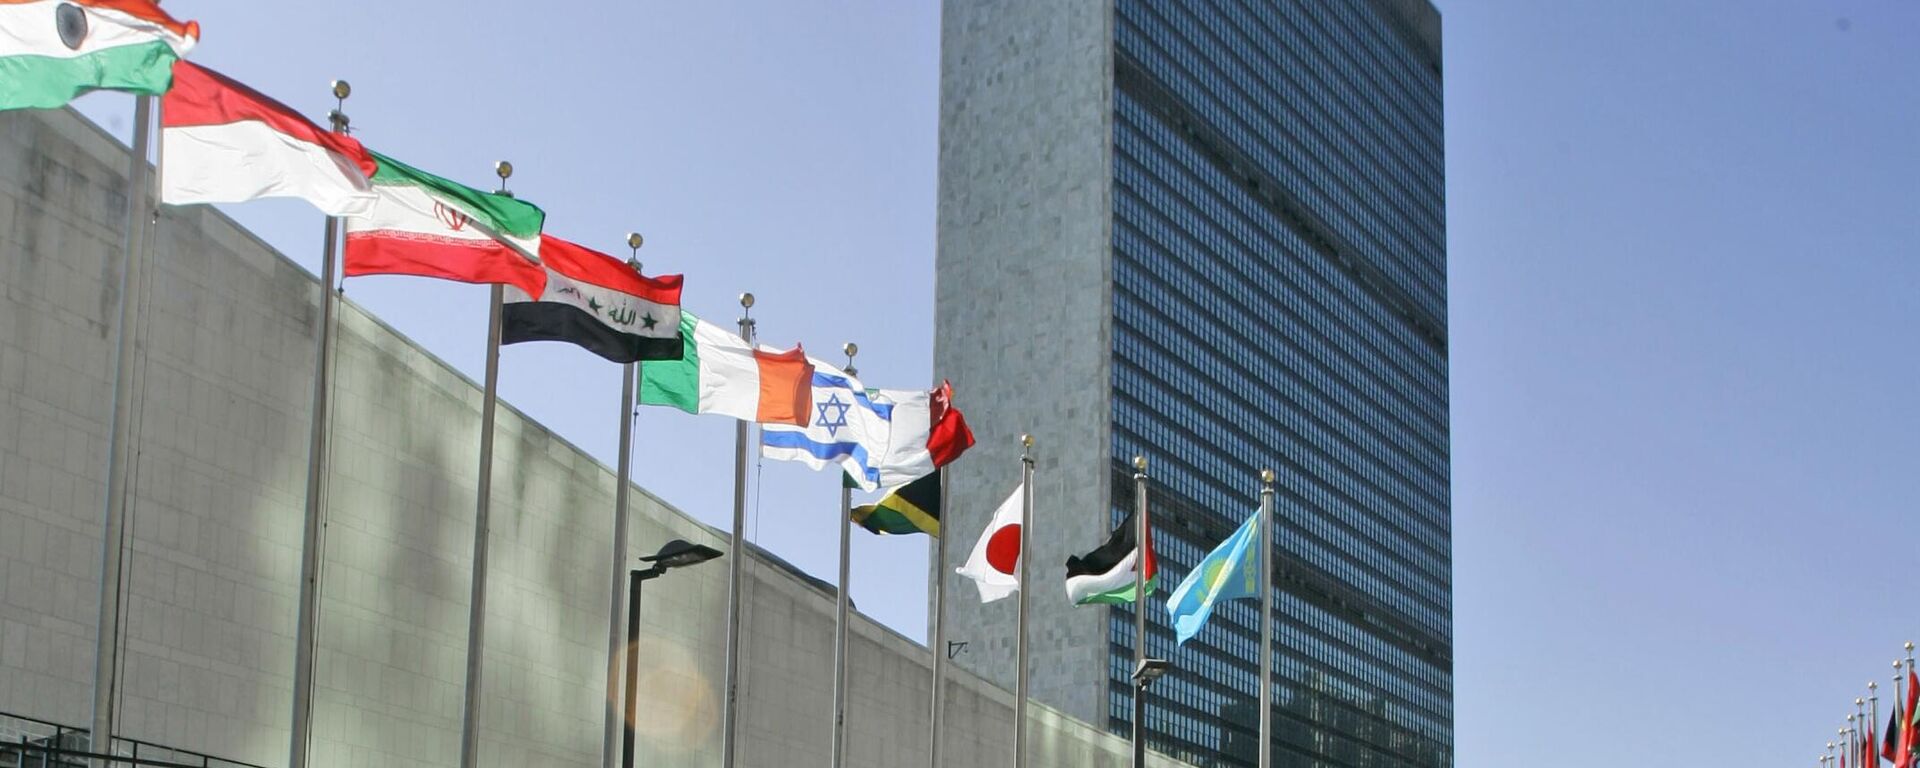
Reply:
x=1023, y=298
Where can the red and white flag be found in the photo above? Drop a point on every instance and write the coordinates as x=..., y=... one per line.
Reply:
x=222, y=142
x=995, y=563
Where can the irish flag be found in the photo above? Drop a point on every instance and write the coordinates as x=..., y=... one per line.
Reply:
x=718, y=372
x=424, y=225
x=51, y=51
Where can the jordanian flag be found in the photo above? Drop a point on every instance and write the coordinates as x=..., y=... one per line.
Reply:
x=1105, y=575
x=599, y=303
x=52, y=52
x=428, y=226
x=911, y=508
x=718, y=372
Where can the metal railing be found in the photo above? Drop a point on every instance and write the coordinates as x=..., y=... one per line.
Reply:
x=27, y=742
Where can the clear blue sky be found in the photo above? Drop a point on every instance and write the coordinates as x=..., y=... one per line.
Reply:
x=1685, y=258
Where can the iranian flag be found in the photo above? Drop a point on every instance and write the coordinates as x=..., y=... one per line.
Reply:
x=222, y=142
x=1105, y=575
x=599, y=303
x=719, y=372
x=52, y=51
x=424, y=225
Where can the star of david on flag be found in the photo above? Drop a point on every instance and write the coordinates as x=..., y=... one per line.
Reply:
x=850, y=429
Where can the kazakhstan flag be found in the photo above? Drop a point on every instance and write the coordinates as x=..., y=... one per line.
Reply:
x=1230, y=571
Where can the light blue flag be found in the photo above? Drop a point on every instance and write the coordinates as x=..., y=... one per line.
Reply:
x=1230, y=571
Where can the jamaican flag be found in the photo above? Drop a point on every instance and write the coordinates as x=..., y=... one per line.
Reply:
x=911, y=508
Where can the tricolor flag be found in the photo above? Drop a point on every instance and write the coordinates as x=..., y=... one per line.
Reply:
x=994, y=565
x=849, y=428
x=428, y=226
x=222, y=142
x=718, y=372
x=1229, y=572
x=599, y=303
x=924, y=433
x=1105, y=575
x=911, y=508
x=52, y=51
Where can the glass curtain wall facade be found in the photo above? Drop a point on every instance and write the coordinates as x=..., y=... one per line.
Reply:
x=1279, y=300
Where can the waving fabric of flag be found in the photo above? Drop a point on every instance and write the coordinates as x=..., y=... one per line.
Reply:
x=1229, y=572
x=223, y=142
x=850, y=429
x=51, y=51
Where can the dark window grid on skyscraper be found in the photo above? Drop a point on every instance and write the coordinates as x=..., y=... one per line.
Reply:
x=1395, y=481
x=1168, y=206
x=1220, y=62
x=1358, y=533
x=1388, y=473
x=1187, y=484
x=1200, y=427
x=1344, y=218
x=1185, y=705
x=1244, y=134
x=1291, y=348
x=1234, y=37
x=1307, y=645
x=1389, y=582
x=1232, y=637
x=1332, y=546
x=1151, y=161
x=1236, y=31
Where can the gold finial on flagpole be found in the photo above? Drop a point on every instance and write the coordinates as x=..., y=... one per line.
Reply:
x=341, y=90
x=851, y=349
x=634, y=241
x=504, y=170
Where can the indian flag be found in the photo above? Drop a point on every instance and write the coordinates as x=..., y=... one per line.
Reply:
x=428, y=226
x=718, y=372
x=52, y=51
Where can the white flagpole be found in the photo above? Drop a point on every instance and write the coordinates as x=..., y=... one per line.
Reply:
x=1140, y=546
x=1020, y=642
x=140, y=213
x=840, y=627
x=730, y=716
x=483, y=508
x=1266, y=544
x=616, y=641
x=305, y=642
x=938, y=644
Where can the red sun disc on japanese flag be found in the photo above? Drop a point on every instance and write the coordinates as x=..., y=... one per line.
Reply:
x=1003, y=550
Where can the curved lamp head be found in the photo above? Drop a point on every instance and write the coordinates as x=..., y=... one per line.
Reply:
x=679, y=554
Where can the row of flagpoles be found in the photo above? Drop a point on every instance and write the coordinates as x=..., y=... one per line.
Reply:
x=1857, y=745
x=222, y=142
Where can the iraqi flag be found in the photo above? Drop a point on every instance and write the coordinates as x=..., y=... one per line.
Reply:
x=52, y=51
x=599, y=303
x=994, y=565
x=222, y=142
x=1105, y=575
x=427, y=226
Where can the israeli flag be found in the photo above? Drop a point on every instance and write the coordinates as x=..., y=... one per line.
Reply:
x=849, y=428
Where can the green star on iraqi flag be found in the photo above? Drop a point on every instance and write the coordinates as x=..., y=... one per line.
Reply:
x=52, y=51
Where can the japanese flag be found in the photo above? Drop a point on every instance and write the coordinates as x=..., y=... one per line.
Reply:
x=995, y=563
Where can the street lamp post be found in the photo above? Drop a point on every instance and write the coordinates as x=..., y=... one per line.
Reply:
x=675, y=554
